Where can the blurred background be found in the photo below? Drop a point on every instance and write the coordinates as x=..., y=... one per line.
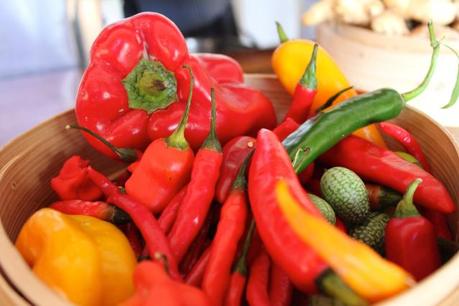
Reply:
x=45, y=44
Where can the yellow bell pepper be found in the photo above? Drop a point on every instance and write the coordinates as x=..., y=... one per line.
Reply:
x=87, y=260
x=358, y=265
x=289, y=62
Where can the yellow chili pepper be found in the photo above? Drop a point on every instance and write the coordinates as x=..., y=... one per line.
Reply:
x=87, y=260
x=358, y=265
x=289, y=62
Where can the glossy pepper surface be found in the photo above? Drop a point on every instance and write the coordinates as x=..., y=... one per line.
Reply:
x=135, y=76
x=87, y=260
x=289, y=62
x=410, y=239
x=222, y=68
x=361, y=268
x=385, y=167
x=73, y=183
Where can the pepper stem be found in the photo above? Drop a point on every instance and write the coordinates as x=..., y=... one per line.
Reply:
x=281, y=33
x=211, y=141
x=240, y=182
x=177, y=138
x=405, y=207
x=435, y=44
x=309, y=79
x=330, y=284
x=455, y=93
x=241, y=265
x=125, y=154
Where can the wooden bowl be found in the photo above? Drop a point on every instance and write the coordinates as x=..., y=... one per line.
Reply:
x=371, y=60
x=28, y=163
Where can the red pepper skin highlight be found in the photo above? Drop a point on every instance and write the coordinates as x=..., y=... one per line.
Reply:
x=385, y=167
x=257, y=285
x=270, y=163
x=100, y=210
x=234, y=153
x=73, y=183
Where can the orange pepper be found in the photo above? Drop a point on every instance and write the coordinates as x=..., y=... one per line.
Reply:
x=358, y=265
x=290, y=60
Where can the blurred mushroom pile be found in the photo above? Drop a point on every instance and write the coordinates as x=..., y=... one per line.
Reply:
x=390, y=17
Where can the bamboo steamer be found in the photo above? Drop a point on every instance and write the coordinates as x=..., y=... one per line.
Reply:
x=371, y=60
x=29, y=161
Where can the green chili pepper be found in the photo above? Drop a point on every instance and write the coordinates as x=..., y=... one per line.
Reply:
x=318, y=134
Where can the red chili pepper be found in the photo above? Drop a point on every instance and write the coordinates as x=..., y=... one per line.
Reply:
x=155, y=287
x=100, y=210
x=148, y=226
x=222, y=68
x=200, y=192
x=410, y=239
x=73, y=183
x=280, y=287
x=132, y=235
x=305, y=91
x=386, y=168
x=257, y=286
x=285, y=128
x=135, y=77
x=238, y=277
x=224, y=245
x=270, y=163
x=439, y=222
x=165, y=167
x=195, y=276
x=234, y=153
x=407, y=140
x=169, y=214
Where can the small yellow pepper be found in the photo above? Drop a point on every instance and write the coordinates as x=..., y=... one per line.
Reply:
x=289, y=62
x=87, y=260
x=358, y=265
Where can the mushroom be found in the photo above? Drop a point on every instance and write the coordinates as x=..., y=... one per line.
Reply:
x=389, y=23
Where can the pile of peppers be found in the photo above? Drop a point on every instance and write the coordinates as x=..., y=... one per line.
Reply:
x=213, y=206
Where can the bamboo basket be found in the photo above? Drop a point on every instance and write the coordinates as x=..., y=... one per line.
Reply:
x=28, y=163
x=371, y=60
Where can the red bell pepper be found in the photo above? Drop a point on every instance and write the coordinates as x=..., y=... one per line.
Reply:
x=134, y=89
x=410, y=239
x=384, y=167
x=222, y=68
x=73, y=182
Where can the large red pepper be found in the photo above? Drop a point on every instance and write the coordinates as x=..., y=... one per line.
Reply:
x=164, y=168
x=73, y=182
x=384, y=167
x=134, y=89
x=410, y=239
x=222, y=68
x=234, y=153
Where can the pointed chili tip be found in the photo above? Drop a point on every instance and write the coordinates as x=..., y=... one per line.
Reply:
x=309, y=78
x=281, y=33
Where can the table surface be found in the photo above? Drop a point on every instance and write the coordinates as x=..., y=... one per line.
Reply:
x=27, y=101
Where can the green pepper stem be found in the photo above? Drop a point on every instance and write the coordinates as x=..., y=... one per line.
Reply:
x=240, y=182
x=405, y=207
x=241, y=264
x=330, y=284
x=309, y=79
x=125, y=154
x=455, y=93
x=211, y=141
x=177, y=138
x=435, y=44
x=281, y=33
x=333, y=98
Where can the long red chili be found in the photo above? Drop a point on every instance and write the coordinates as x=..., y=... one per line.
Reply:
x=195, y=276
x=410, y=239
x=280, y=287
x=98, y=209
x=305, y=91
x=224, y=246
x=257, y=286
x=407, y=140
x=132, y=235
x=169, y=214
x=200, y=192
x=386, y=168
x=238, y=277
x=148, y=226
x=234, y=153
